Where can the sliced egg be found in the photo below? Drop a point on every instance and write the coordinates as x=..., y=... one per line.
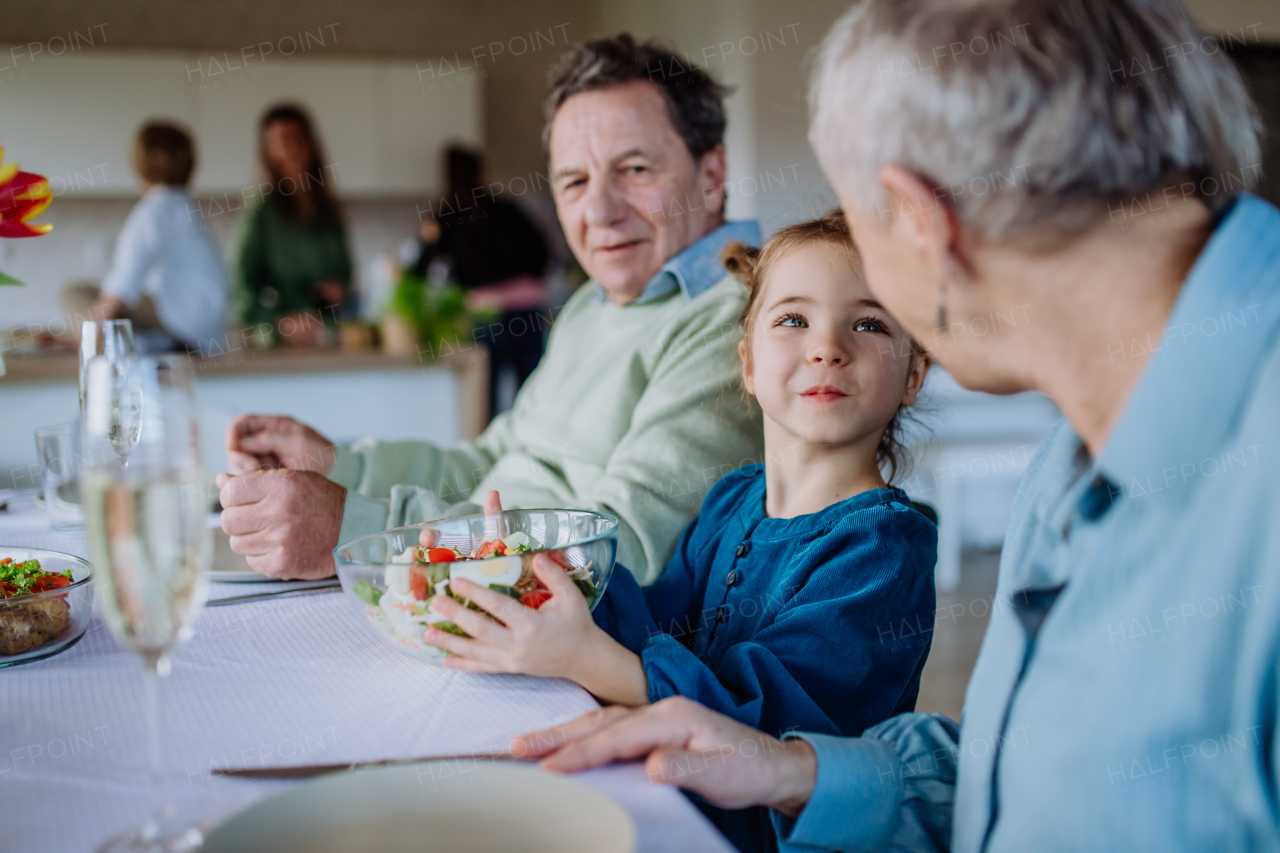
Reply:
x=499, y=570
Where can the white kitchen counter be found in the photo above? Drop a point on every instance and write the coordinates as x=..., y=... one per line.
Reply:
x=344, y=396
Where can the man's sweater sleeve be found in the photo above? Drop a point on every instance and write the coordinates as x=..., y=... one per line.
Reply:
x=691, y=417
x=893, y=788
x=393, y=483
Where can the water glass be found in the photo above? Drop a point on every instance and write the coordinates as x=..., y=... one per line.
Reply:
x=59, y=449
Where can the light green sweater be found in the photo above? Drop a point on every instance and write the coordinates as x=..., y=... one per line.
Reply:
x=635, y=410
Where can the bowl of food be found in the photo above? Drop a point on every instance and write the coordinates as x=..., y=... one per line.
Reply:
x=391, y=577
x=46, y=601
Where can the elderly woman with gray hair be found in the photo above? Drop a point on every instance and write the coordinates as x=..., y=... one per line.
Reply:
x=1128, y=688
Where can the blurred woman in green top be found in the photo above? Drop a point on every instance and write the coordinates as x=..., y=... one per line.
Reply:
x=294, y=267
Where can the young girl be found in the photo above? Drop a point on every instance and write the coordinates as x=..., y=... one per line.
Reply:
x=785, y=603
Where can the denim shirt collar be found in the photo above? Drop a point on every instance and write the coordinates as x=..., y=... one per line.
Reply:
x=696, y=269
x=1202, y=366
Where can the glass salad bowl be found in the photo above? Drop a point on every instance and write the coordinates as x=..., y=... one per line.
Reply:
x=36, y=625
x=390, y=577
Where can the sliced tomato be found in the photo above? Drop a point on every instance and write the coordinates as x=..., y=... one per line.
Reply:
x=419, y=583
x=535, y=598
x=496, y=548
x=441, y=555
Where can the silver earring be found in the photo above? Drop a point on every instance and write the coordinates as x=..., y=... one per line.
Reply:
x=941, y=320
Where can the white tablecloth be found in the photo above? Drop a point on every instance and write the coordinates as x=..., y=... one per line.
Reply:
x=288, y=681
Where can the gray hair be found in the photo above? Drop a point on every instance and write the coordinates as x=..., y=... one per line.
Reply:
x=1034, y=120
x=695, y=102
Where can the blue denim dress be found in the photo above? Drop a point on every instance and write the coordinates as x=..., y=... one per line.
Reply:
x=820, y=623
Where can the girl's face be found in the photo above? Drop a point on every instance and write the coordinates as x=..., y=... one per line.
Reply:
x=827, y=363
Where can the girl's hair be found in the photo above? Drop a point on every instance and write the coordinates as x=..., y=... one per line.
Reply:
x=288, y=200
x=752, y=265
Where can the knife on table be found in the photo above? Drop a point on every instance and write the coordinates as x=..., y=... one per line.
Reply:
x=311, y=770
x=277, y=593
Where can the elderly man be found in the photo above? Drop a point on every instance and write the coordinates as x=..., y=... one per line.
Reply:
x=635, y=409
x=1127, y=695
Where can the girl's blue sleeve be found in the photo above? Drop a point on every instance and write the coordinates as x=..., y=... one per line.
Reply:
x=834, y=659
x=631, y=614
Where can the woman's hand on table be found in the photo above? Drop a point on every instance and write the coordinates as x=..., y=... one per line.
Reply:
x=285, y=523
x=269, y=441
x=684, y=744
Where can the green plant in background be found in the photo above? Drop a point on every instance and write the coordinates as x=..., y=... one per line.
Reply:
x=438, y=315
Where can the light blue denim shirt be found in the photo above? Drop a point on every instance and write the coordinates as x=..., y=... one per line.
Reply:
x=698, y=268
x=1127, y=691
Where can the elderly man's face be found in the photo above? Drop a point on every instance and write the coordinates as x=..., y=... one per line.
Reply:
x=628, y=194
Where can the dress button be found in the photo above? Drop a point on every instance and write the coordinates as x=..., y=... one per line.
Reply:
x=732, y=579
x=741, y=550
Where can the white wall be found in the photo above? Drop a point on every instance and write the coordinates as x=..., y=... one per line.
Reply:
x=73, y=118
x=768, y=115
x=758, y=47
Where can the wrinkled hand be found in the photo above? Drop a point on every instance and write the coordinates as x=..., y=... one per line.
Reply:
x=685, y=744
x=272, y=441
x=285, y=523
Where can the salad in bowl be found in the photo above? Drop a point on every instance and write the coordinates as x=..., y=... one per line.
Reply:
x=391, y=577
x=46, y=599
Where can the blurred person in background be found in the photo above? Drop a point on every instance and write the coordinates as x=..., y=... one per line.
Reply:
x=294, y=269
x=166, y=276
x=499, y=257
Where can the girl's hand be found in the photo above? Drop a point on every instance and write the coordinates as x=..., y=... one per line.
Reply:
x=495, y=526
x=548, y=641
x=558, y=640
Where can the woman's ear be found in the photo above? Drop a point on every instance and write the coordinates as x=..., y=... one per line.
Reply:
x=915, y=378
x=922, y=224
x=748, y=369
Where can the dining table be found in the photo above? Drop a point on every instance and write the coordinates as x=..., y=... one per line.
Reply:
x=280, y=681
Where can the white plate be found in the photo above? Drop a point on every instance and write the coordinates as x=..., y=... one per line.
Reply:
x=441, y=806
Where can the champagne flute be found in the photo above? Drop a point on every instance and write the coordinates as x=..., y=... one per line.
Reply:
x=150, y=546
x=110, y=338
x=125, y=425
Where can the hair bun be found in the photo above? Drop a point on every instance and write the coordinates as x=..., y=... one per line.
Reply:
x=740, y=259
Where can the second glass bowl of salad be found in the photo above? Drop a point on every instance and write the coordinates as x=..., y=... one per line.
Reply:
x=390, y=577
x=46, y=602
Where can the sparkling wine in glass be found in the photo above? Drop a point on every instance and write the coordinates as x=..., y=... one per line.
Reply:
x=125, y=425
x=112, y=339
x=149, y=544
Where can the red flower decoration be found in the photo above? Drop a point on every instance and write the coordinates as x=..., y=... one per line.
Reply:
x=23, y=196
